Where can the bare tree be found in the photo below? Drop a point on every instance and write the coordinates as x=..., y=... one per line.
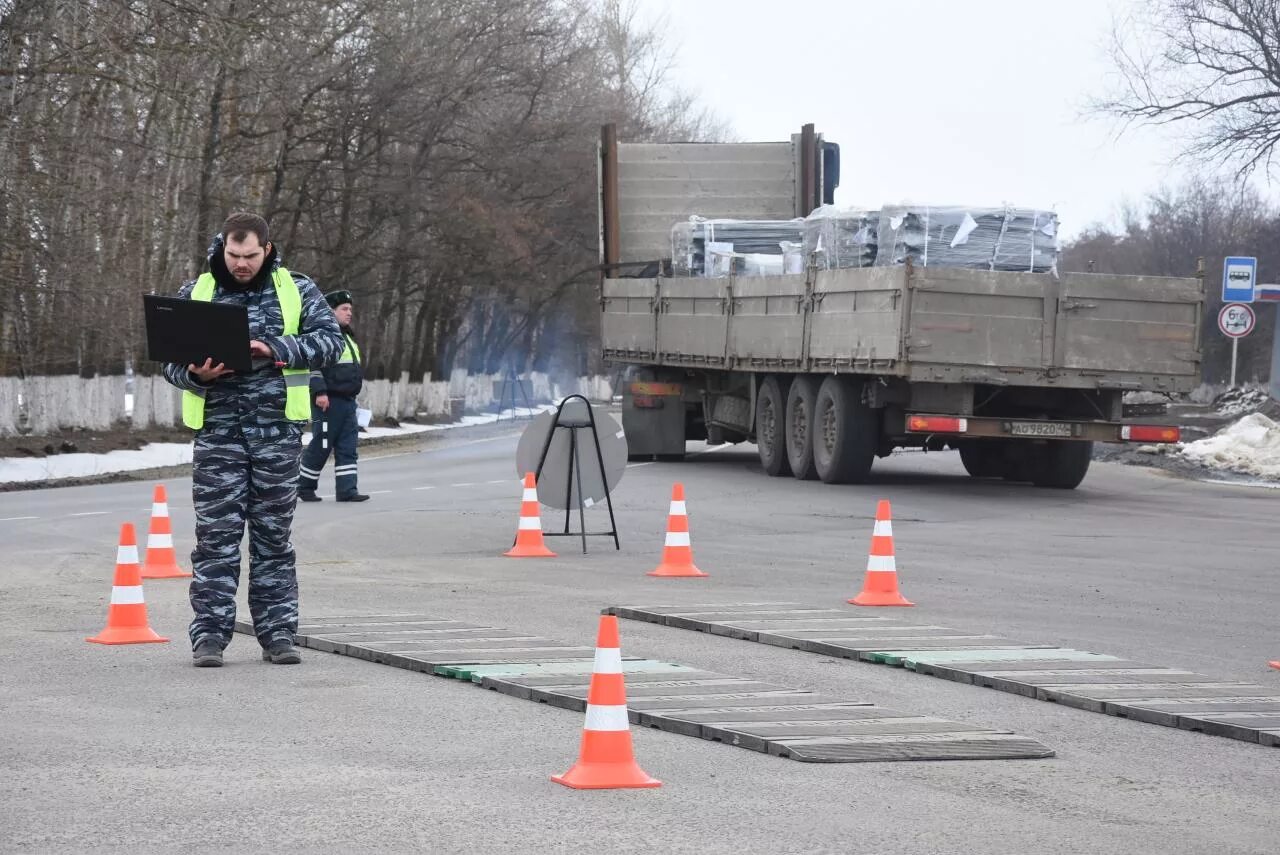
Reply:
x=1212, y=65
x=434, y=157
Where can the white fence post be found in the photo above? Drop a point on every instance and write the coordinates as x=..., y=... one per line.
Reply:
x=164, y=401
x=10, y=389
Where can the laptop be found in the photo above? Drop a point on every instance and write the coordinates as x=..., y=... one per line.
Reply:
x=191, y=331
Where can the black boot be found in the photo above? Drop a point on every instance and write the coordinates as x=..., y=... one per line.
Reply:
x=353, y=497
x=281, y=653
x=207, y=654
x=309, y=496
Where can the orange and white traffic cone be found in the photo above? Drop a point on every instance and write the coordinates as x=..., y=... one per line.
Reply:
x=161, y=561
x=677, y=552
x=606, y=760
x=529, y=543
x=127, y=614
x=880, y=588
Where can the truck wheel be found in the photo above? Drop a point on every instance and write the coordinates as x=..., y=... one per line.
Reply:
x=1061, y=464
x=983, y=459
x=846, y=435
x=771, y=420
x=801, y=397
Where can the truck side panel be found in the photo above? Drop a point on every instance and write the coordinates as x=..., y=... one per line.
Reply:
x=969, y=317
x=629, y=323
x=767, y=329
x=857, y=320
x=1144, y=323
x=693, y=322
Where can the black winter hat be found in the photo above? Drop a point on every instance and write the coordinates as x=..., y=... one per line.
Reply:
x=337, y=298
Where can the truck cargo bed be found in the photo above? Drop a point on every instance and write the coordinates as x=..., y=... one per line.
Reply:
x=934, y=325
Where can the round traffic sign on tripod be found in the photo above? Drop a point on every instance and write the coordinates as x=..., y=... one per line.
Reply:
x=578, y=456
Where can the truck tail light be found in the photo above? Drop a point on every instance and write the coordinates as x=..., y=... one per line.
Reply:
x=937, y=424
x=1150, y=433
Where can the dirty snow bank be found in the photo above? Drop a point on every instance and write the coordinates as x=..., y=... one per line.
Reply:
x=1250, y=446
x=1239, y=402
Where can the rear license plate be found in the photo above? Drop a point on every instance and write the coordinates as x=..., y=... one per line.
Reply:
x=1048, y=429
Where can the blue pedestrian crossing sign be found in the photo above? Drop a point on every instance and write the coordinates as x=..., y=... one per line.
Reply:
x=1239, y=274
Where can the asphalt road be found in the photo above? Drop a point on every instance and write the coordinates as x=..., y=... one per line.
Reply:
x=131, y=749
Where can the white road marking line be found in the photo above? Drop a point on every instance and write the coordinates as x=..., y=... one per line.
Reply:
x=504, y=481
x=634, y=465
x=90, y=514
x=432, y=487
x=15, y=519
x=378, y=492
x=465, y=484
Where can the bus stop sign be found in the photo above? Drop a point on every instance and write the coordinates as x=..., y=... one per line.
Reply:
x=1239, y=274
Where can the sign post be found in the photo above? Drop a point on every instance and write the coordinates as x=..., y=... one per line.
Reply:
x=1236, y=320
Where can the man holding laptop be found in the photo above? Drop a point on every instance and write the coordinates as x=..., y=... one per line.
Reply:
x=248, y=414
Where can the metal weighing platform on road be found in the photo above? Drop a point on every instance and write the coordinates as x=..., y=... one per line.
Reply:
x=759, y=716
x=1075, y=678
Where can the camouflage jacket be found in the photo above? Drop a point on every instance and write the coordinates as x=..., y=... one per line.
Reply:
x=252, y=404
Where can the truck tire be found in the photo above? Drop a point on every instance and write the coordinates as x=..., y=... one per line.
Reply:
x=771, y=422
x=1061, y=464
x=983, y=459
x=847, y=432
x=801, y=398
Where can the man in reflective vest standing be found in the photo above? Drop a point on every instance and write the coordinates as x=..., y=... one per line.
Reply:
x=248, y=440
x=333, y=415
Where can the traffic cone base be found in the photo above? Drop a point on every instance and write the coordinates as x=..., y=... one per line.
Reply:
x=161, y=562
x=609, y=775
x=127, y=613
x=529, y=543
x=677, y=552
x=880, y=587
x=1275, y=664
x=877, y=598
x=665, y=569
x=128, y=635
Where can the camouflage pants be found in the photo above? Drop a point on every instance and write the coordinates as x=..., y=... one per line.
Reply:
x=238, y=478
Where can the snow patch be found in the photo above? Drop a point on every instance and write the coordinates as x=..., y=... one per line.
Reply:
x=1250, y=445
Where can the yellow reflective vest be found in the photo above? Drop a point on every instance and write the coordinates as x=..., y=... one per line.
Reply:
x=297, y=402
x=350, y=353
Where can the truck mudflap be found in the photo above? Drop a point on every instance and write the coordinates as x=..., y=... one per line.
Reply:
x=653, y=417
x=985, y=427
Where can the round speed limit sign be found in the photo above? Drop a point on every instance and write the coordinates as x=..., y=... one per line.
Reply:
x=1236, y=320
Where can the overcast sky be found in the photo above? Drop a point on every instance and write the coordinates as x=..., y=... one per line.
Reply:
x=932, y=101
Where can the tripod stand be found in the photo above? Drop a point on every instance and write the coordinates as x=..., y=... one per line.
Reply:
x=577, y=423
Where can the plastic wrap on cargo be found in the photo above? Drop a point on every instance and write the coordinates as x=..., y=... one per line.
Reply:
x=682, y=249
x=760, y=264
x=792, y=256
x=1011, y=239
x=836, y=238
x=693, y=242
